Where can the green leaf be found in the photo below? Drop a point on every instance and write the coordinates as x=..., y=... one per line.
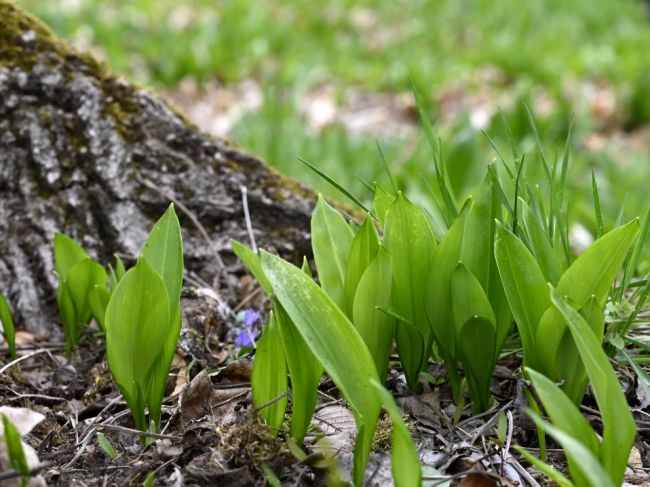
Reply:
x=545, y=468
x=619, y=429
x=406, y=467
x=525, y=288
x=475, y=324
x=540, y=245
x=438, y=298
x=164, y=253
x=253, y=263
x=137, y=326
x=363, y=249
x=106, y=446
x=7, y=326
x=588, y=463
x=478, y=236
x=335, y=343
x=565, y=416
x=67, y=253
x=409, y=239
x=305, y=372
x=375, y=327
x=149, y=480
x=68, y=317
x=80, y=280
x=631, y=266
x=331, y=239
x=477, y=342
x=15, y=450
x=162, y=365
x=383, y=201
x=98, y=298
x=593, y=272
x=269, y=376
x=468, y=298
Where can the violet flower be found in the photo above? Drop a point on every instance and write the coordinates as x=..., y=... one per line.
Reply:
x=248, y=335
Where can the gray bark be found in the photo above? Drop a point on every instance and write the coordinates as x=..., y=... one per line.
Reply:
x=88, y=154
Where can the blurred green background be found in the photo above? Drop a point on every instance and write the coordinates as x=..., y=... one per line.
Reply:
x=326, y=81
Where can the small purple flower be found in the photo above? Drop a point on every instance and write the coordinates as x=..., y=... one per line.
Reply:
x=247, y=337
x=250, y=317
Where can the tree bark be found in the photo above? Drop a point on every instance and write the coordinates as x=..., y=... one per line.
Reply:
x=88, y=154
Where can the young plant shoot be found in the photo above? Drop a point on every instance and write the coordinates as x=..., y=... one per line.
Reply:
x=143, y=321
x=78, y=276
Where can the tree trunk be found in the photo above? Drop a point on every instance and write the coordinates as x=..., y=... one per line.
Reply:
x=90, y=155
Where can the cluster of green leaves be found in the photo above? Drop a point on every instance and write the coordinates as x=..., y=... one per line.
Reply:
x=591, y=462
x=310, y=332
x=138, y=310
x=143, y=322
x=445, y=283
x=80, y=277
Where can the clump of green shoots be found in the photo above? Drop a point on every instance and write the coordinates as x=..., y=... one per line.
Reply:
x=143, y=321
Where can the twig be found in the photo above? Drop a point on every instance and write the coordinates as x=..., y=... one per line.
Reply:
x=24, y=357
x=272, y=401
x=124, y=429
x=12, y=474
x=233, y=398
x=247, y=217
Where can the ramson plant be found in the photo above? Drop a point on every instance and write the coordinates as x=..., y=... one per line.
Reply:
x=444, y=283
x=143, y=322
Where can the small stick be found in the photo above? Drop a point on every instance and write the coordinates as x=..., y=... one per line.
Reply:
x=20, y=359
x=247, y=217
x=124, y=429
x=272, y=401
x=11, y=474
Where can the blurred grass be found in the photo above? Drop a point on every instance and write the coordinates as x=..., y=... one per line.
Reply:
x=545, y=47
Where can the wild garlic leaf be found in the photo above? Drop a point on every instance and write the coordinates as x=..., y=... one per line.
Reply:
x=594, y=271
x=525, y=288
x=588, y=463
x=409, y=239
x=540, y=245
x=566, y=416
x=619, y=428
x=331, y=239
x=15, y=449
x=137, y=327
x=476, y=328
x=375, y=327
x=438, y=297
x=305, y=372
x=80, y=280
x=269, y=376
x=7, y=326
x=252, y=262
x=163, y=251
x=363, y=249
x=335, y=343
x=383, y=201
x=405, y=463
x=98, y=298
x=67, y=253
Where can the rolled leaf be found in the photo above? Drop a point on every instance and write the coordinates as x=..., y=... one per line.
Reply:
x=269, y=377
x=409, y=239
